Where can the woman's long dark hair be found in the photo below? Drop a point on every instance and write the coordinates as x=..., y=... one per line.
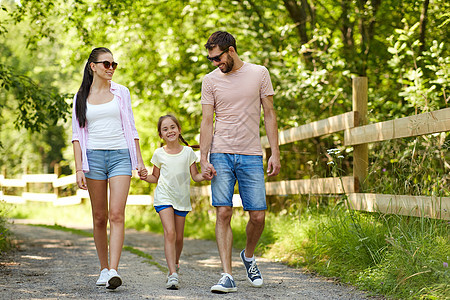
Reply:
x=162, y=118
x=83, y=92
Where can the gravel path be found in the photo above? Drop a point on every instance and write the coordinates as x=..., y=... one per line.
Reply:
x=53, y=264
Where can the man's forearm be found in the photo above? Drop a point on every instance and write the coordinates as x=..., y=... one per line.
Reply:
x=206, y=134
x=270, y=121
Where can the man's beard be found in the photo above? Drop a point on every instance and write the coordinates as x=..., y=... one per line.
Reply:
x=229, y=64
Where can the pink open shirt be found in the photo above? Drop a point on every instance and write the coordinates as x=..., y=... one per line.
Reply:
x=81, y=133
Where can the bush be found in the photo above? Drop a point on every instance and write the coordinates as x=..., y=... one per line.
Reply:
x=5, y=243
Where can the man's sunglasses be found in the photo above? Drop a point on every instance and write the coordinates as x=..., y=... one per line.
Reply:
x=217, y=57
x=107, y=64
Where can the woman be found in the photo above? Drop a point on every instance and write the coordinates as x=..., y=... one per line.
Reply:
x=106, y=149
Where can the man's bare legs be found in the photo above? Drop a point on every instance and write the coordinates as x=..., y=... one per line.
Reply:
x=224, y=236
x=254, y=229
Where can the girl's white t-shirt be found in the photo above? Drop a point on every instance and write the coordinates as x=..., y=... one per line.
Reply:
x=174, y=181
x=105, y=126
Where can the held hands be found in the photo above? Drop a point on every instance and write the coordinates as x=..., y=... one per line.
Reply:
x=208, y=171
x=142, y=171
x=273, y=166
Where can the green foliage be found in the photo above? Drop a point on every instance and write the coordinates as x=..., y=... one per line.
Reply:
x=143, y=218
x=412, y=166
x=159, y=46
x=38, y=106
x=424, y=77
x=5, y=243
x=199, y=224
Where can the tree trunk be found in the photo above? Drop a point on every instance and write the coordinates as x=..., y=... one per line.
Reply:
x=347, y=28
x=299, y=15
x=423, y=25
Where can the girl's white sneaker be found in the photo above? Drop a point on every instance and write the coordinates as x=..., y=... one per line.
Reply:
x=172, y=282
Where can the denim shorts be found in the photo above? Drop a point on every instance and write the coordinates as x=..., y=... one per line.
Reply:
x=248, y=171
x=104, y=164
x=181, y=213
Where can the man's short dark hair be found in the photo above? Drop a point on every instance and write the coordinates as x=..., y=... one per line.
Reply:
x=222, y=39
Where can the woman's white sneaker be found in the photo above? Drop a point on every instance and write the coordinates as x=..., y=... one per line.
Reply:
x=114, y=280
x=103, y=278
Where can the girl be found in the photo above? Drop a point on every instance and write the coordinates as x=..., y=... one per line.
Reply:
x=106, y=149
x=173, y=164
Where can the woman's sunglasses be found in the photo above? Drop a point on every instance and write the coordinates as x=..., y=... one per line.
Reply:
x=107, y=64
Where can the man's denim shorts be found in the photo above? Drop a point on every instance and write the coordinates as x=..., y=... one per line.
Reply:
x=104, y=164
x=248, y=170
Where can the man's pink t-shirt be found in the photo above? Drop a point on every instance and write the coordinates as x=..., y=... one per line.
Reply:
x=236, y=97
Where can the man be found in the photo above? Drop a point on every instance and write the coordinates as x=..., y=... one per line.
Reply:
x=235, y=92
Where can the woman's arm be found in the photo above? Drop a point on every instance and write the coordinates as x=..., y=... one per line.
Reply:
x=142, y=171
x=153, y=178
x=81, y=179
x=196, y=176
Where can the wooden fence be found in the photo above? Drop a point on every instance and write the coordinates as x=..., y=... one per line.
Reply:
x=357, y=133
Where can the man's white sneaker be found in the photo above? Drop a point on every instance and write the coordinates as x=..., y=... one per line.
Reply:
x=172, y=282
x=114, y=280
x=226, y=284
x=253, y=274
x=103, y=278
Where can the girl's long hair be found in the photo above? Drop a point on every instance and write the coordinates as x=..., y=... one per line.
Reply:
x=83, y=92
x=162, y=118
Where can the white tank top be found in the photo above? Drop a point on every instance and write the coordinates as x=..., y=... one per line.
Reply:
x=105, y=130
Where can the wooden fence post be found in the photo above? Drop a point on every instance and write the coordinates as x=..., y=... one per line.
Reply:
x=27, y=185
x=4, y=173
x=57, y=172
x=361, y=151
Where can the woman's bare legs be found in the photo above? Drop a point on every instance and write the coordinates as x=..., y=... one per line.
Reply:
x=119, y=187
x=99, y=203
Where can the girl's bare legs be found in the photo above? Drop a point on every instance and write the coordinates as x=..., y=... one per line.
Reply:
x=168, y=222
x=99, y=203
x=179, y=229
x=119, y=187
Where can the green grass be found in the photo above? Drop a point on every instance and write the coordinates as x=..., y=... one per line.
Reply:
x=396, y=256
x=72, y=214
x=66, y=229
x=148, y=258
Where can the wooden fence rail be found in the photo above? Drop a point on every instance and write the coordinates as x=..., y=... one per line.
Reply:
x=357, y=133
